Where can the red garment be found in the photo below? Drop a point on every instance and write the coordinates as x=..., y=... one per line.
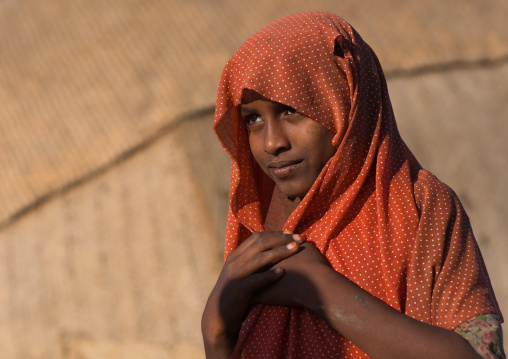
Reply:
x=381, y=221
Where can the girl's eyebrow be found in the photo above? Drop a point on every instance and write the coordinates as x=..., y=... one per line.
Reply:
x=247, y=109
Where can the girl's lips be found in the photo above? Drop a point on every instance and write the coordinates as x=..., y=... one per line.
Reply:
x=284, y=169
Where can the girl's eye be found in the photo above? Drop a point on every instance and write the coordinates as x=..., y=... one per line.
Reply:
x=251, y=119
x=290, y=110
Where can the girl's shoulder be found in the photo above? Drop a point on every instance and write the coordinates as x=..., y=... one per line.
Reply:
x=430, y=192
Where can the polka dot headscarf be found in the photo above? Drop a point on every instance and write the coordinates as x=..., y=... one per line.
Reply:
x=382, y=221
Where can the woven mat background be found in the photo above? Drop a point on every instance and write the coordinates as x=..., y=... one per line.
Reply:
x=114, y=190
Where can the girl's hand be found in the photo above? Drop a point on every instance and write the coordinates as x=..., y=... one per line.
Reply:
x=250, y=267
x=297, y=288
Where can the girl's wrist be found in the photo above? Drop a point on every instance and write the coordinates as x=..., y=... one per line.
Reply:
x=312, y=297
x=219, y=339
x=218, y=343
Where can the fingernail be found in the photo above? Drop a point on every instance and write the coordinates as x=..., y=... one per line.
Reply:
x=287, y=231
x=298, y=238
x=291, y=245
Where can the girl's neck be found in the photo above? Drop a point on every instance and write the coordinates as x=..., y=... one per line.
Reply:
x=280, y=209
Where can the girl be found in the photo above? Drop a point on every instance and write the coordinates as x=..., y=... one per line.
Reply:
x=339, y=245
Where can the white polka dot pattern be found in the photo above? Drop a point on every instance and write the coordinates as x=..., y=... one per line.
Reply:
x=382, y=221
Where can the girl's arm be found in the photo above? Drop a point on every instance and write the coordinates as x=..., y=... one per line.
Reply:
x=375, y=327
x=378, y=329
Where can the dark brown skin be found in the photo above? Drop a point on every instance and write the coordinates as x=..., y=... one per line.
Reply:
x=280, y=137
x=264, y=270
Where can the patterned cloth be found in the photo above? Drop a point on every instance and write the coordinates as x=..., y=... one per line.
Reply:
x=485, y=335
x=381, y=220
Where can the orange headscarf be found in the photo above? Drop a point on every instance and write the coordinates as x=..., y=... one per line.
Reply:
x=378, y=217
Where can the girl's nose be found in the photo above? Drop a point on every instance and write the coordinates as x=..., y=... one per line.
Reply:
x=276, y=139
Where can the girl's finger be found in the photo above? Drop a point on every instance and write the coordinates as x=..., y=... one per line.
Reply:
x=259, y=261
x=269, y=240
x=262, y=241
x=262, y=279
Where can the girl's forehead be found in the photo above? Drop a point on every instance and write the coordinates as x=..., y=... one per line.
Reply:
x=249, y=96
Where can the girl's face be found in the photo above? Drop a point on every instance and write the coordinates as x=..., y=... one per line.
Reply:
x=289, y=147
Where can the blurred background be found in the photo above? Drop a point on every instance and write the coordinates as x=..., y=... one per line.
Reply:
x=114, y=190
